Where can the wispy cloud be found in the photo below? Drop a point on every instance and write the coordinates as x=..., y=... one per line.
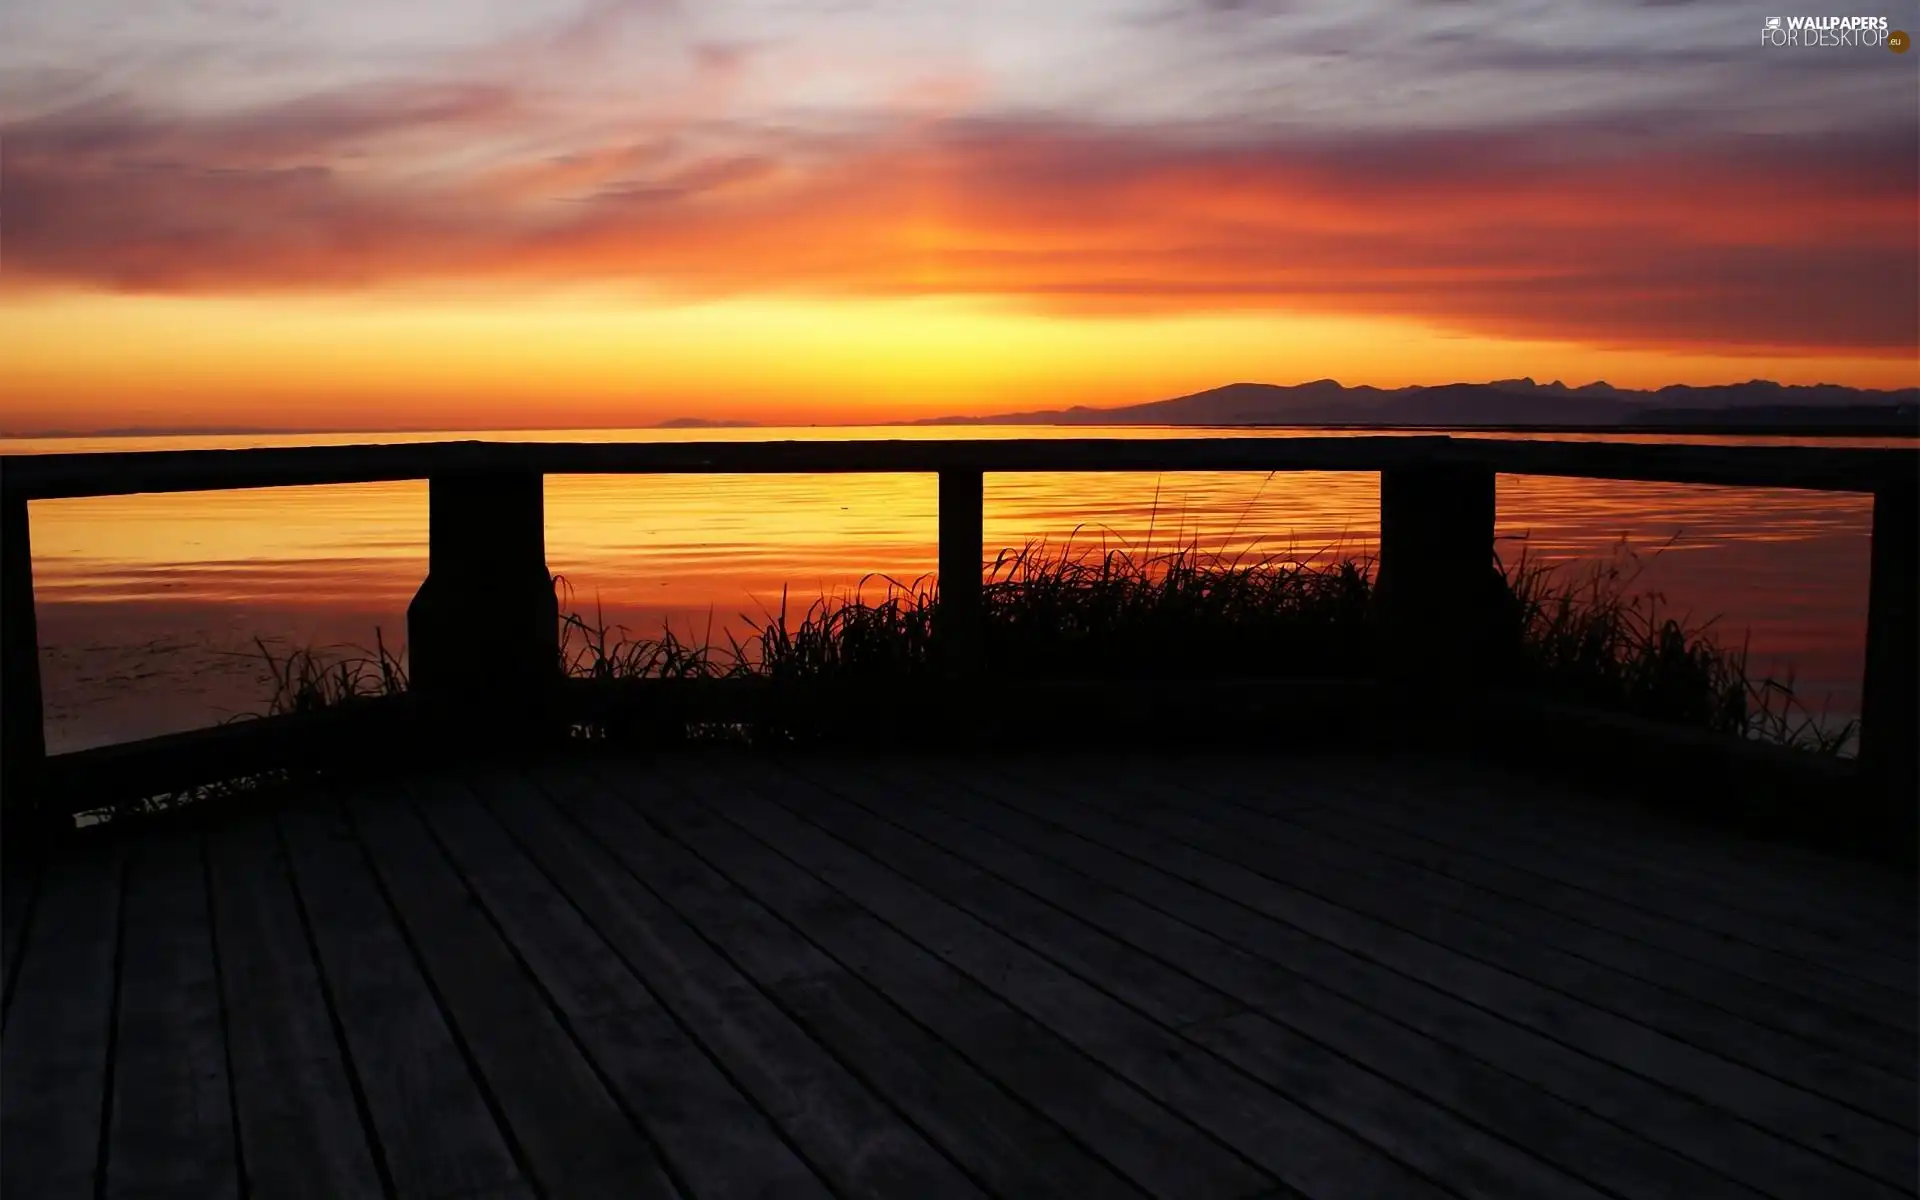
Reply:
x=1614, y=173
x=1563, y=231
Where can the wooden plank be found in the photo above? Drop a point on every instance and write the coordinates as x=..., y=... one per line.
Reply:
x=1790, y=876
x=1652, y=873
x=1822, y=468
x=1626, y=980
x=56, y=1055
x=435, y=1130
x=302, y=1132
x=1598, y=996
x=1375, y=1108
x=1005, y=1146
x=1457, y=799
x=170, y=1130
x=19, y=889
x=853, y=1140
x=1862, y=1142
x=717, y=1142
x=575, y=1139
x=1773, y=988
x=1293, y=1143
x=1780, y=878
x=1235, y=906
x=1558, y=1132
x=947, y=1086
x=23, y=736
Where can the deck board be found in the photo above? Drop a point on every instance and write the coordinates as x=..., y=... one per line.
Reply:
x=1769, y=898
x=1663, y=1114
x=716, y=1140
x=1402, y=932
x=1620, y=977
x=301, y=1128
x=1633, y=902
x=575, y=1138
x=19, y=890
x=171, y=1124
x=850, y=1137
x=728, y=976
x=1784, y=871
x=57, y=1050
x=1396, y=1121
x=1122, y=1126
x=436, y=1131
x=1187, y=936
x=1300, y=1147
x=1000, y=1142
x=1787, y=993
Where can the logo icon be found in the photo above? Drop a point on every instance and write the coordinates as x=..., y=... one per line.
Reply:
x=1773, y=23
x=1898, y=41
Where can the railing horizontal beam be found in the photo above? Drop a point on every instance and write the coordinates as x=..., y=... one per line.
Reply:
x=66, y=475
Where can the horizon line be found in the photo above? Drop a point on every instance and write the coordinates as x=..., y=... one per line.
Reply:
x=691, y=422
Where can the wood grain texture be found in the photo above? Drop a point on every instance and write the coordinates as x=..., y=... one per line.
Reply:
x=171, y=1126
x=575, y=1138
x=1072, y=1126
x=54, y=1058
x=1258, y=915
x=711, y=1133
x=1369, y=1106
x=1184, y=935
x=848, y=1135
x=19, y=889
x=727, y=976
x=1298, y=1146
x=1402, y=935
x=434, y=1126
x=301, y=1128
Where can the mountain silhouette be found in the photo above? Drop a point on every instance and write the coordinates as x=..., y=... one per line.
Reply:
x=1501, y=402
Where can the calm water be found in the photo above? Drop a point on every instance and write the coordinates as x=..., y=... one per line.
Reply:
x=149, y=606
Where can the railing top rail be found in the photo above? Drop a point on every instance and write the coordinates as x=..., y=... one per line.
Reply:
x=51, y=476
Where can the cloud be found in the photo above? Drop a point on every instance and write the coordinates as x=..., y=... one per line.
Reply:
x=1614, y=236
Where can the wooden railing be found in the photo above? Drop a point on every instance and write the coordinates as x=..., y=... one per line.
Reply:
x=487, y=581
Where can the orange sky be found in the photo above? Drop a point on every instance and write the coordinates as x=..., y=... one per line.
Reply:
x=603, y=212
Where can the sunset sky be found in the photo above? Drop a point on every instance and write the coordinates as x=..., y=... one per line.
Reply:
x=365, y=214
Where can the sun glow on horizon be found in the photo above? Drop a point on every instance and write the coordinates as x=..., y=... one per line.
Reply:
x=376, y=361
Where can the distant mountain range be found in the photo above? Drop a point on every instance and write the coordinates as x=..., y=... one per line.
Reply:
x=1757, y=406
x=1512, y=403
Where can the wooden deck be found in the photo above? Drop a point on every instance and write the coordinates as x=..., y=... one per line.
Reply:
x=930, y=978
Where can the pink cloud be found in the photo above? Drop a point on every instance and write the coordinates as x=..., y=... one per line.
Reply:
x=1568, y=232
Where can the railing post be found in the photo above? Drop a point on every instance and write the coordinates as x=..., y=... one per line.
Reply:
x=962, y=501
x=23, y=737
x=1890, y=693
x=483, y=630
x=1438, y=589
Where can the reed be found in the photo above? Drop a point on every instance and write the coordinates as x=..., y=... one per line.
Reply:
x=1586, y=633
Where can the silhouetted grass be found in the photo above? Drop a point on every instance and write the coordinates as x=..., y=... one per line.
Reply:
x=1582, y=633
x=1586, y=633
x=306, y=679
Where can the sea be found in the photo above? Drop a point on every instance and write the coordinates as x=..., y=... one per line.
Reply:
x=158, y=613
